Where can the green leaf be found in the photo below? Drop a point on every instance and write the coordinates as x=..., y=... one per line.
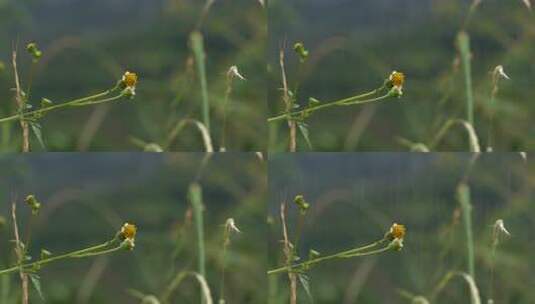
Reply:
x=306, y=286
x=36, y=282
x=45, y=102
x=313, y=101
x=36, y=128
x=303, y=128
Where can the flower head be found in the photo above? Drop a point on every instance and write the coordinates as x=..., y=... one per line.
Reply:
x=397, y=79
x=129, y=79
x=397, y=231
x=230, y=225
x=233, y=72
x=395, y=83
x=128, y=231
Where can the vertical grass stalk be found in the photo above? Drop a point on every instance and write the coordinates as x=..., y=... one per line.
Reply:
x=463, y=196
x=195, y=196
x=197, y=47
x=463, y=41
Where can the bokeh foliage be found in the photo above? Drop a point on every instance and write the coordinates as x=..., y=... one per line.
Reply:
x=88, y=45
x=354, y=45
x=355, y=198
x=86, y=198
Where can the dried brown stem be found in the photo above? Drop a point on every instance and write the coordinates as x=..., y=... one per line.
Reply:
x=21, y=104
x=287, y=102
x=289, y=256
x=19, y=251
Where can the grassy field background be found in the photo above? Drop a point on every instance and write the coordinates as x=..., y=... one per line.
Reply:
x=355, y=199
x=86, y=199
x=354, y=45
x=88, y=45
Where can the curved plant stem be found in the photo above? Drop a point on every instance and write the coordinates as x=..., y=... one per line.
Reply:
x=472, y=136
x=207, y=140
x=355, y=252
x=75, y=102
x=353, y=100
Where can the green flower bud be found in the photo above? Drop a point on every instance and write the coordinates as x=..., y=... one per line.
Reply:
x=34, y=51
x=301, y=203
x=300, y=50
x=33, y=203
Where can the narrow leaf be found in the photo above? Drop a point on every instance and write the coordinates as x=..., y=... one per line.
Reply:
x=36, y=128
x=36, y=282
x=306, y=286
x=303, y=128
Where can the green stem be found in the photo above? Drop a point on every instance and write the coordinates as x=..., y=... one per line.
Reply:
x=197, y=46
x=355, y=252
x=463, y=195
x=464, y=48
x=73, y=102
x=75, y=254
x=341, y=102
x=93, y=102
x=195, y=196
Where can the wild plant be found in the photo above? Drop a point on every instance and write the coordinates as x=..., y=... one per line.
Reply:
x=178, y=277
x=197, y=62
x=296, y=111
x=464, y=59
x=296, y=267
x=28, y=267
x=29, y=112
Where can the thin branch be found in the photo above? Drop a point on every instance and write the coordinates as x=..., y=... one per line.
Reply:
x=289, y=256
x=20, y=254
x=287, y=103
x=21, y=105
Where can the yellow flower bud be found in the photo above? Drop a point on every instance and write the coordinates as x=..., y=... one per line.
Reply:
x=397, y=79
x=129, y=79
x=128, y=231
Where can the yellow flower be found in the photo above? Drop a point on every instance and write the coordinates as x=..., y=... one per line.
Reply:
x=397, y=79
x=128, y=231
x=129, y=79
x=397, y=231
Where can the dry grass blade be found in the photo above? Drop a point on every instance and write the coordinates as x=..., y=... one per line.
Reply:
x=207, y=140
x=287, y=102
x=20, y=105
x=179, y=278
x=289, y=256
x=474, y=291
x=19, y=250
x=472, y=136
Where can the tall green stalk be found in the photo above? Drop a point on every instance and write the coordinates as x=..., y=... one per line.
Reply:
x=463, y=196
x=197, y=46
x=195, y=196
x=463, y=41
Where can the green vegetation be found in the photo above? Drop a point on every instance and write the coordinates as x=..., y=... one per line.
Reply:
x=189, y=247
x=468, y=219
x=457, y=57
x=184, y=53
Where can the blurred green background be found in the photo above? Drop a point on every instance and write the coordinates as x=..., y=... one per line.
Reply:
x=86, y=199
x=356, y=198
x=354, y=45
x=88, y=45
